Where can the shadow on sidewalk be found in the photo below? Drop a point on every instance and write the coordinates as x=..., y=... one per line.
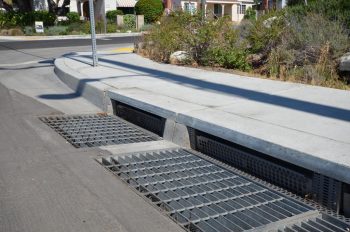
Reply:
x=290, y=103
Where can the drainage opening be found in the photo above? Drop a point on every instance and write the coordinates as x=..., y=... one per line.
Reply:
x=328, y=192
x=146, y=120
x=203, y=196
x=97, y=130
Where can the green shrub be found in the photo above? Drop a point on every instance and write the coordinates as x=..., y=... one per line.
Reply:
x=129, y=21
x=29, y=18
x=10, y=19
x=2, y=19
x=265, y=32
x=308, y=50
x=335, y=10
x=111, y=27
x=147, y=27
x=13, y=19
x=250, y=14
x=151, y=9
x=73, y=17
x=79, y=28
x=45, y=16
x=210, y=42
x=56, y=30
x=231, y=59
x=112, y=15
x=28, y=30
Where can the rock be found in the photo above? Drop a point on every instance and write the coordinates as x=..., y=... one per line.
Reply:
x=180, y=57
x=255, y=59
x=268, y=22
x=344, y=65
x=138, y=47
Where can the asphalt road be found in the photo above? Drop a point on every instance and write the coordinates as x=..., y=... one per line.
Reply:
x=6, y=45
x=45, y=183
x=17, y=52
x=27, y=67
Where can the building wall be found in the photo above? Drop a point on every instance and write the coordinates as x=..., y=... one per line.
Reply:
x=230, y=7
x=110, y=5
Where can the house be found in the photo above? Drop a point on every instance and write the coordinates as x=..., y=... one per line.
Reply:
x=100, y=7
x=235, y=9
x=271, y=4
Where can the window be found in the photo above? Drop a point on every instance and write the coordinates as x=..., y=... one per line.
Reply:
x=241, y=9
x=217, y=9
x=189, y=7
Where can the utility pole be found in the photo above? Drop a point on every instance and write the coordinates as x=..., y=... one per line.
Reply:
x=104, y=17
x=93, y=33
x=203, y=2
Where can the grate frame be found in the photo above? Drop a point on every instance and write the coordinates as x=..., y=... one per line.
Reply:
x=327, y=191
x=285, y=177
x=94, y=130
x=110, y=163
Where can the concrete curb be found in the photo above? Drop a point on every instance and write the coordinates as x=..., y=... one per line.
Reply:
x=96, y=93
x=100, y=94
x=38, y=38
x=296, y=157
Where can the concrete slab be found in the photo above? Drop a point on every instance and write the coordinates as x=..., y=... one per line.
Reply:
x=161, y=105
x=122, y=149
x=304, y=125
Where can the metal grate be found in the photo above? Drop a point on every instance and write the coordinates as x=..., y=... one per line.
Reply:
x=285, y=177
x=97, y=130
x=139, y=117
x=326, y=191
x=202, y=196
x=322, y=223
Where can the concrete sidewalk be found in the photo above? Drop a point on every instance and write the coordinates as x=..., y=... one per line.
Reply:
x=306, y=125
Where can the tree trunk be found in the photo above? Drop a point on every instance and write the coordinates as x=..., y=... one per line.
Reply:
x=266, y=5
x=64, y=4
x=23, y=5
x=52, y=6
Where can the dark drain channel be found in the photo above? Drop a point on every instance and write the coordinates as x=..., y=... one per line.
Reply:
x=202, y=196
x=97, y=130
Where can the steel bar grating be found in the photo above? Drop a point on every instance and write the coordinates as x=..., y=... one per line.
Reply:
x=97, y=130
x=202, y=196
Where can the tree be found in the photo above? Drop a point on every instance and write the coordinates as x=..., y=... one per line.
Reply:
x=23, y=5
x=151, y=9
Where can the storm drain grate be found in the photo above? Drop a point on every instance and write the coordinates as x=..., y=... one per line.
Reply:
x=97, y=130
x=202, y=196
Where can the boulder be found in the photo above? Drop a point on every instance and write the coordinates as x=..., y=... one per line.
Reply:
x=138, y=47
x=268, y=22
x=255, y=59
x=180, y=57
x=344, y=65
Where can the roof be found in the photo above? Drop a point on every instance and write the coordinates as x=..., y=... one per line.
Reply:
x=126, y=3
